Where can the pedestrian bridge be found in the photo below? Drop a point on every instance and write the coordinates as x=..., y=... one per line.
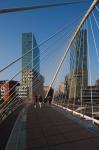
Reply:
x=71, y=122
x=52, y=128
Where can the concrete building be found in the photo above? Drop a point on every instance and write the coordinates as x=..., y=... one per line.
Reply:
x=27, y=81
x=62, y=88
x=22, y=92
x=90, y=93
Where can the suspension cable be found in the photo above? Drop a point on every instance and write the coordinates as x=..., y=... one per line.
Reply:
x=90, y=78
x=95, y=20
x=97, y=8
x=10, y=10
x=83, y=73
x=94, y=39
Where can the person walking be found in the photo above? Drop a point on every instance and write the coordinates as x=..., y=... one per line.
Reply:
x=40, y=100
x=35, y=101
x=50, y=99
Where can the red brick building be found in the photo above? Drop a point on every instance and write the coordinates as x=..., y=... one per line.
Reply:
x=8, y=89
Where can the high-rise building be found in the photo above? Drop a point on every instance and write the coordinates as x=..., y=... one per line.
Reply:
x=31, y=61
x=78, y=53
x=78, y=77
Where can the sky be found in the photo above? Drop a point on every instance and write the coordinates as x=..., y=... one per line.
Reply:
x=43, y=23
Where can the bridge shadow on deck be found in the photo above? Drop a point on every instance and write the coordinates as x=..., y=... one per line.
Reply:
x=48, y=129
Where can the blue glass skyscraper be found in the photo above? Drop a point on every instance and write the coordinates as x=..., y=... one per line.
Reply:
x=32, y=59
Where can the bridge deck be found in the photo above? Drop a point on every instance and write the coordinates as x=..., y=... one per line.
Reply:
x=48, y=129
